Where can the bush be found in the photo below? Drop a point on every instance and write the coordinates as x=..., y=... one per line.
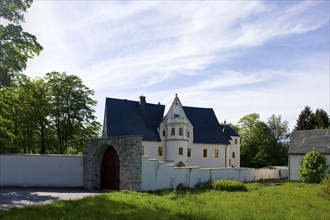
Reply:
x=204, y=185
x=325, y=187
x=228, y=185
x=312, y=167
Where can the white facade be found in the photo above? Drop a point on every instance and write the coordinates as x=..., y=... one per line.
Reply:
x=177, y=144
x=294, y=163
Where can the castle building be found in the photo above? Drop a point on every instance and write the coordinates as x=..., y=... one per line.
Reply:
x=176, y=134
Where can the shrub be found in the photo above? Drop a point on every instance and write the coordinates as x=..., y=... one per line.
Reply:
x=182, y=188
x=312, y=166
x=228, y=185
x=325, y=187
x=204, y=185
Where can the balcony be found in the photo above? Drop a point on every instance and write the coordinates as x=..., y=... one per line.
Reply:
x=176, y=121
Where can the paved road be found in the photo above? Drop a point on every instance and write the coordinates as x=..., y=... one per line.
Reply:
x=18, y=197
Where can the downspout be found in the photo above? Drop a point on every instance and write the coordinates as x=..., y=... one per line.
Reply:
x=226, y=156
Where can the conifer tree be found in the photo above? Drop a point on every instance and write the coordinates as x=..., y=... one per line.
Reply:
x=306, y=120
x=322, y=120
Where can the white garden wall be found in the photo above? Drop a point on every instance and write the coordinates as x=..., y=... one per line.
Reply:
x=160, y=175
x=67, y=171
x=41, y=170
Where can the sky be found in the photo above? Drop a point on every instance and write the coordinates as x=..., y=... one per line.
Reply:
x=237, y=57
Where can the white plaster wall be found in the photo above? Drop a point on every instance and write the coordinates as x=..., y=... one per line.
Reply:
x=234, y=148
x=294, y=163
x=197, y=158
x=172, y=151
x=41, y=170
x=160, y=175
x=151, y=149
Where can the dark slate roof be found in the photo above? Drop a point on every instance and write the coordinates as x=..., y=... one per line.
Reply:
x=207, y=129
x=124, y=117
x=229, y=131
x=304, y=141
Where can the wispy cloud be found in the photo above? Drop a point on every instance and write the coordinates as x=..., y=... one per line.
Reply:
x=197, y=49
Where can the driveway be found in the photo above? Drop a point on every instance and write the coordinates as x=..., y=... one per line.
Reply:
x=18, y=197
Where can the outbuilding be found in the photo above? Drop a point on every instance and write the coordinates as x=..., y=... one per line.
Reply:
x=303, y=142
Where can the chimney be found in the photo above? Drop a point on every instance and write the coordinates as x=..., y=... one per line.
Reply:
x=142, y=102
x=224, y=126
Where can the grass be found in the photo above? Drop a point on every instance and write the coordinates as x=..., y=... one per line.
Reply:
x=281, y=201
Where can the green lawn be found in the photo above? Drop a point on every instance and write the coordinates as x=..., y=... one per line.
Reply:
x=284, y=201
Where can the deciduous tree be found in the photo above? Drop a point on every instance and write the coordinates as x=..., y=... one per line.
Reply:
x=16, y=46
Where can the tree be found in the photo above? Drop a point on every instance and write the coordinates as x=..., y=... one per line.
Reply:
x=281, y=138
x=312, y=167
x=72, y=111
x=263, y=144
x=249, y=149
x=49, y=115
x=16, y=46
x=322, y=120
x=306, y=120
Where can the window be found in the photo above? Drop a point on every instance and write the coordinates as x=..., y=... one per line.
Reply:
x=180, y=131
x=235, y=140
x=172, y=131
x=160, y=151
x=180, y=150
x=233, y=154
x=164, y=133
x=188, y=134
x=142, y=150
x=216, y=153
x=189, y=152
x=204, y=152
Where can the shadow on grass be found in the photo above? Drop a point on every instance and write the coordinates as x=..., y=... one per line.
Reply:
x=105, y=206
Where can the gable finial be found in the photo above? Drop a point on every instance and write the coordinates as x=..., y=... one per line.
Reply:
x=176, y=94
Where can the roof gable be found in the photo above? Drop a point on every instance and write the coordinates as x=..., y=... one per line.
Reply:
x=207, y=129
x=304, y=141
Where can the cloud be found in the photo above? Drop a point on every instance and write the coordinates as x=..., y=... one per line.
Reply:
x=196, y=49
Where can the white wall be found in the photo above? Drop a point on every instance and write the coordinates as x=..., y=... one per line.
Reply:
x=294, y=163
x=197, y=158
x=160, y=175
x=41, y=170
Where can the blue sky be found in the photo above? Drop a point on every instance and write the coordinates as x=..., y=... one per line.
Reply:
x=240, y=57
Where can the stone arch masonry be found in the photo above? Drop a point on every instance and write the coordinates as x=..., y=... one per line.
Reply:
x=128, y=149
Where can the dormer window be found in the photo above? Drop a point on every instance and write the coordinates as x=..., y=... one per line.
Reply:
x=172, y=132
x=180, y=131
x=235, y=140
x=164, y=133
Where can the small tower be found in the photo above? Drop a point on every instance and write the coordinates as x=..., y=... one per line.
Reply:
x=176, y=132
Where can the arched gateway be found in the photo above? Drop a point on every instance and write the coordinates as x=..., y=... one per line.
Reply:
x=113, y=163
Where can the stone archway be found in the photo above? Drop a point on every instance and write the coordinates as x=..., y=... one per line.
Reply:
x=110, y=170
x=128, y=149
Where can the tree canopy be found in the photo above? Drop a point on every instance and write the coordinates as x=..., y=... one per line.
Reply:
x=16, y=46
x=263, y=144
x=308, y=120
x=53, y=114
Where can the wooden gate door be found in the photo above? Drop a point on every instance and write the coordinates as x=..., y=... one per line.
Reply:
x=110, y=170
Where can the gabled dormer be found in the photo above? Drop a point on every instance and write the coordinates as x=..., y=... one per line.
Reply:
x=176, y=125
